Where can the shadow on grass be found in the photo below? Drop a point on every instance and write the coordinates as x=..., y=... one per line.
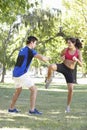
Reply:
x=52, y=102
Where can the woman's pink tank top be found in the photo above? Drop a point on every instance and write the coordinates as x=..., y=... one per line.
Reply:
x=69, y=56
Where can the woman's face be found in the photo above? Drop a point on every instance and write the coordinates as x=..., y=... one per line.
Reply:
x=70, y=44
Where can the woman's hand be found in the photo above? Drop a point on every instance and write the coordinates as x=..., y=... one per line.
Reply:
x=63, y=57
x=75, y=59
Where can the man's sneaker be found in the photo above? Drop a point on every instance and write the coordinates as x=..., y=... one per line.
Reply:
x=35, y=112
x=13, y=110
x=48, y=81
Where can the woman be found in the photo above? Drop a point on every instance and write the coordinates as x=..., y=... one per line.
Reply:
x=70, y=56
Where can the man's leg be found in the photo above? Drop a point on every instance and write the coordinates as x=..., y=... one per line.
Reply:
x=15, y=97
x=33, y=95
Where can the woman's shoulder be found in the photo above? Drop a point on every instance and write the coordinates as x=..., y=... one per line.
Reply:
x=64, y=51
x=77, y=50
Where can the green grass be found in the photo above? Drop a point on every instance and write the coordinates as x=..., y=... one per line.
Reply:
x=51, y=102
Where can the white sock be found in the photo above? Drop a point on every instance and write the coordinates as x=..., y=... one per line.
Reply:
x=68, y=109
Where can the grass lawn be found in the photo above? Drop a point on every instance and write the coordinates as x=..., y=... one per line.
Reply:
x=51, y=102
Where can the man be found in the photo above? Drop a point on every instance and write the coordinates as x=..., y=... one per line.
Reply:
x=21, y=76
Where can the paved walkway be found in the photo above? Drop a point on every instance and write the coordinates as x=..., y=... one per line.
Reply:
x=39, y=79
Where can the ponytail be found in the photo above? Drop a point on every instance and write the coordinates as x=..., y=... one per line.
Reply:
x=78, y=44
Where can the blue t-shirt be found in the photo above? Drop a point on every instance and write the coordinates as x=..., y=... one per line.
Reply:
x=23, y=62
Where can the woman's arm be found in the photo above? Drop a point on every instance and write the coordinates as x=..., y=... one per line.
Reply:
x=79, y=59
x=63, y=54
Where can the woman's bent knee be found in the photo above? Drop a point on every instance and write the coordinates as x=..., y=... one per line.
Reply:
x=53, y=67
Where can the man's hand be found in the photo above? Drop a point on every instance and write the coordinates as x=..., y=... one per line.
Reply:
x=41, y=57
x=46, y=59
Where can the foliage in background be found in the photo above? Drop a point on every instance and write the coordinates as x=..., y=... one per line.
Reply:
x=75, y=24
x=41, y=23
x=50, y=26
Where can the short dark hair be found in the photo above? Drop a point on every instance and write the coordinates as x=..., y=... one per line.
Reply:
x=31, y=39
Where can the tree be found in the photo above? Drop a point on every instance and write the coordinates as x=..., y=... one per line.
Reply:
x=10, y=10
x=38, y=22
x=75, y=21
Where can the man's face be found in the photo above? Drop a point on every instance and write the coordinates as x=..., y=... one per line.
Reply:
x=33, y=44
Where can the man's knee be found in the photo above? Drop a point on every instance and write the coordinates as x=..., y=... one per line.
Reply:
x=33, y=89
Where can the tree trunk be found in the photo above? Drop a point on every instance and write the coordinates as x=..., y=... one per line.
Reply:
x=84, y=75
x=3, y=74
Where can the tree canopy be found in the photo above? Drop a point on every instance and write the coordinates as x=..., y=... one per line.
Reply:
x=21, y=18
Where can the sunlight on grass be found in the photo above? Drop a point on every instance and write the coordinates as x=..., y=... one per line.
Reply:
x=9, y=116
x=52, y=102
x=61, y=90
x=57, y=90
x=14, y=129
x=3, y=111
x=55, y=113
x=38, y=118
x=73, y=117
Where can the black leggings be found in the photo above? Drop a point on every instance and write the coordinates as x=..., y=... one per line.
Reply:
x=67, y=72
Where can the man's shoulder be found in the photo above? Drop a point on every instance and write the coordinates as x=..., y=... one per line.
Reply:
x=23, y=50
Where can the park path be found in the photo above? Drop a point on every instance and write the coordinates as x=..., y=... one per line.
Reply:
x=39, y=79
